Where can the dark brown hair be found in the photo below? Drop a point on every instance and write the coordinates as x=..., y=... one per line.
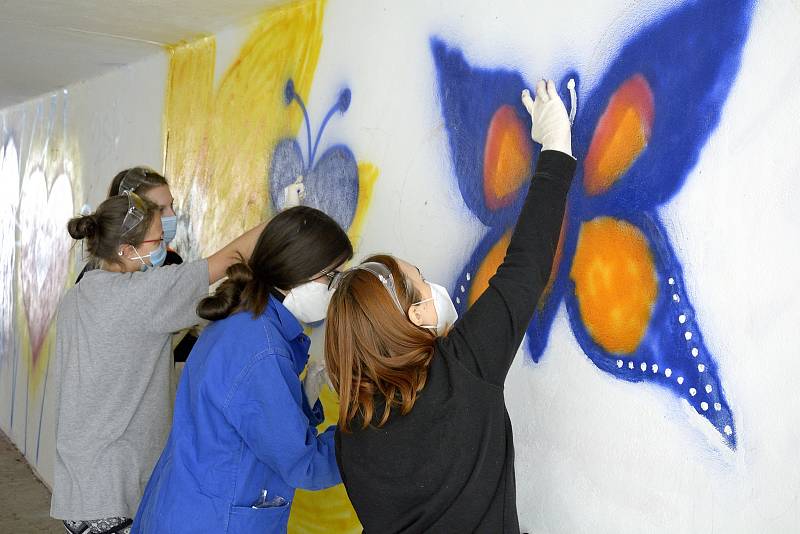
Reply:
x=102, y=229
x=140, y=180
x=372, y=350
x=296, y=244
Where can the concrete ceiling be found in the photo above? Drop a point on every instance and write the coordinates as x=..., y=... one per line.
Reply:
x=48, y=44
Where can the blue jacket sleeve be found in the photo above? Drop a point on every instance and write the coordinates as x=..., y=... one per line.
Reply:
x=266, y=409
x=315, y=415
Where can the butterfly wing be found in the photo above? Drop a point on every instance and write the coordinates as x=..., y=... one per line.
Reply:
x=332, y=186
x=287, y=165
x=487, y=129
x=491, y=152
x=631, y=313
x=666, y=90
x=474, y=278
x=638, y=135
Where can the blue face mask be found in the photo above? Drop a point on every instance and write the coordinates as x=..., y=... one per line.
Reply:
x=157, y=257
x=170, y=226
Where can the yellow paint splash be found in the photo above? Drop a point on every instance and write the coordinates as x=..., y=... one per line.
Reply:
x=367, y=175
x=187, y=108
x=219, y=144
x=325, y=511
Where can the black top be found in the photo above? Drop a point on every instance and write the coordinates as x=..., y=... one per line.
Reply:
x=448, y=466
x=184, y=347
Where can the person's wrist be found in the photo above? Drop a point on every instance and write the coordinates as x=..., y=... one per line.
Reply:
x=561, y=143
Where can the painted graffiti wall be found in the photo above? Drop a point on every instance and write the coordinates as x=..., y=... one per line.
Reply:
x=57, y=153
x=654, y=390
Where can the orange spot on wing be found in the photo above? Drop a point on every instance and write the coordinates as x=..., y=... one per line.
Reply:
x=507, y=158
x=615, y=283
x=488, y=267
x=621, y=134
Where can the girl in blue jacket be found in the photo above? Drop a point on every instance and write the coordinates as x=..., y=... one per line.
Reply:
x=244, y=434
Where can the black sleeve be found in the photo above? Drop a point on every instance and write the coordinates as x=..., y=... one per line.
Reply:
x=173, y=258
x=184, y=347
x=86, y=268
x=487, y=336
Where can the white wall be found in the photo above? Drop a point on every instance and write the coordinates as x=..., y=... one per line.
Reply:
x=595, y=452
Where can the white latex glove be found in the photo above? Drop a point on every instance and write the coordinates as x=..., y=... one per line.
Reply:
x=316, y=377
x=294, y=193
x=551, y=125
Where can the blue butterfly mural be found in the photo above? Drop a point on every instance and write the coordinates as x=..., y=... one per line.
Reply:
x=331, y=185
x=636, y=136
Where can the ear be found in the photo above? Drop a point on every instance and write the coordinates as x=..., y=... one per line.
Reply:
x=415, y=315
x=124, y=250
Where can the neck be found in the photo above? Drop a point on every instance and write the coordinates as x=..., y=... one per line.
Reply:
x=117, y=267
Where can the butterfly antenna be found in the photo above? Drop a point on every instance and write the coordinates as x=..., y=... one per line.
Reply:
x=341, y=106
x=289, y=96
x=573, y=100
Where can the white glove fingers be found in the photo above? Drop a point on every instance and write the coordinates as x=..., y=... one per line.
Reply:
x=527, y=101
x=541, y=91
x=551, y=90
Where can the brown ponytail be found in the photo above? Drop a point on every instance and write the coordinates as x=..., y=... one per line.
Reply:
x=297, y=244
x=226, y=299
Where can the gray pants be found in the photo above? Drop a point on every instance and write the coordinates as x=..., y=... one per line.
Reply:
x=111, y=525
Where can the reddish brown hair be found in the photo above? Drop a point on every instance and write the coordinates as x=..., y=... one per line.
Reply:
x=372, y=350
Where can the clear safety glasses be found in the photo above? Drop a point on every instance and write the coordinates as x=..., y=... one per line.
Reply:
x=379, y=271
x=134, y=178
x=332, y=276
x=136, y=212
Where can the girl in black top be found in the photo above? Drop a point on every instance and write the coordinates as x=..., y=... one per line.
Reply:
x=424, y=442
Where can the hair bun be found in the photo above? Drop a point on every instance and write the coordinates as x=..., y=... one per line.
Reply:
x=82, y=227
x=239, y=274
x=226, y=298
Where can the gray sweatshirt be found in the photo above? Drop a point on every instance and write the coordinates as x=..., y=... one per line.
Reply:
x=112, y=370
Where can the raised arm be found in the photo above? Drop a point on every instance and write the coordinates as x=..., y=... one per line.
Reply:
x=487, y=336
x=238, y=249
x=241, y=247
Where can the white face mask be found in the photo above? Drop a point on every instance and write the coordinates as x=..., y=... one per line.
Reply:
x=446, y=313
x=309, y=302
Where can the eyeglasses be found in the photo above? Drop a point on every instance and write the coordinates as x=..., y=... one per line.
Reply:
x=332, y=276
x=136, y=212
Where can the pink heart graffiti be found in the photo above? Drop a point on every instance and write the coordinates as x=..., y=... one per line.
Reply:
x=9, y=200
x=44, y=251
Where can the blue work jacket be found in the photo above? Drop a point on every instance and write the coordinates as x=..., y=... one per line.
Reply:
x=242, y=424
